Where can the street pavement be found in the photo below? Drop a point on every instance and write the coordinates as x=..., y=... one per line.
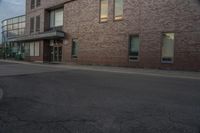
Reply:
x=57, y=99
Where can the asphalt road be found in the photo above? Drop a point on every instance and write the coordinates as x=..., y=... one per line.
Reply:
x=54, y=100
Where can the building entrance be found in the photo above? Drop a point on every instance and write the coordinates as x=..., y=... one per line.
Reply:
x=56, y=51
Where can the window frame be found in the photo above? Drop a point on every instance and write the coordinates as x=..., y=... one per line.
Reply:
x=100, y=9
x=54, y=13
x=32, y=4
x=37, y=25
x=114, y=9
x=32, y=52
x=32, y=25
x=74, y=56
x=32, y=49
x=38, y=53
x=129, y=49
x=38, y=3
x=162, y=44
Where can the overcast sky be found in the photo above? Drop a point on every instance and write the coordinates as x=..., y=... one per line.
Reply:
x=11, y=8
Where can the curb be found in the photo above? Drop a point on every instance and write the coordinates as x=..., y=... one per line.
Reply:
x=122, y=70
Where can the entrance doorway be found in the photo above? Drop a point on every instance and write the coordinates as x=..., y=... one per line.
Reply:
x=56, y=51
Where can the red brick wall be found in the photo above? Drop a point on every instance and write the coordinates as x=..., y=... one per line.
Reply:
x=107, y=43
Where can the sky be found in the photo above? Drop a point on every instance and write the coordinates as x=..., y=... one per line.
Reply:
x=11, y=8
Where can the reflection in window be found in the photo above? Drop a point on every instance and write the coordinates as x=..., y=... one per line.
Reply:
x=118, y=9
x=15, y=20
x=104, y=11
x=4, y=23
x=13, y=27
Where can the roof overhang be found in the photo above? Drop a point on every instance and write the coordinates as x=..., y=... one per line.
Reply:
x=41, y=36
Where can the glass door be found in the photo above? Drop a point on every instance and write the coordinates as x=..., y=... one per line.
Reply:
x=56, y=53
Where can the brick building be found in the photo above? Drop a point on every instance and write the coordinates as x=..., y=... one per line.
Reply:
x=161, y=34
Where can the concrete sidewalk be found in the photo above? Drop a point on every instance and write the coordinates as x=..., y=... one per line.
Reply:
x=122, y=70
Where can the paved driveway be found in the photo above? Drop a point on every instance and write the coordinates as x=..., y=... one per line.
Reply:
x=42, y=99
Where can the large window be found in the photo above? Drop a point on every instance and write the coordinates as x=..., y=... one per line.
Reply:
x=32, y=49
x=168, y=48
x=103, y=10
x=13, y=27
x=118, y=9
x=56, y=18
x=74, y=48
x=134, y=48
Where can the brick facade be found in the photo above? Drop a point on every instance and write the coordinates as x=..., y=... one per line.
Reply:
x=107, y=43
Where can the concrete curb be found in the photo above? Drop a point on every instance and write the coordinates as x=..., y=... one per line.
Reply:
x=148, y=72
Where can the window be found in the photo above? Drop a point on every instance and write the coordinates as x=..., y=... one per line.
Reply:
x=134, y=47
x=21, y=19
x=35, y=3
x=38, y=2
x=168, y=48
x=34, y=48
x=118, y=9
x=32, y=4
x=74, y=48
x=56, y=18
x=22, y=25
x=103, y=10
x=9, y=27
x=4, y=23
x=4, y=28
x=15, y=20
x=32, y=26
x=15, y=26
x=37, y=23
x=37, y=49
x=10, y=21
x=21, y=31
x=27, y=49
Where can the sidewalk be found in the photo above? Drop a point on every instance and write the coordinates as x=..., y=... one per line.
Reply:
x=122, y=70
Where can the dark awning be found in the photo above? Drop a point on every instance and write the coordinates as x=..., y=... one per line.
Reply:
x=45, y=35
